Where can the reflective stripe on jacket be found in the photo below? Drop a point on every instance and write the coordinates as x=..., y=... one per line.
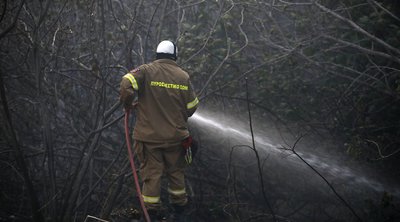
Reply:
x=165, y=101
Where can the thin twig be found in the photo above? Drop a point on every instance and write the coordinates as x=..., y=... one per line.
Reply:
x=326, y=181
x=218, y=67
x=96, y=218
x=381, y=156
x=248, y=72
x=257, y=155
x=384, y=9
x=212, y=30
x=358, y=28
x=12, y=26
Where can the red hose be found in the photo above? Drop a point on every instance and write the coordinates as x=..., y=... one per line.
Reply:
x=128, y=143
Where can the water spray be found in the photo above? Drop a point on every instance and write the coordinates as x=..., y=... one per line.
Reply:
x=266, y=145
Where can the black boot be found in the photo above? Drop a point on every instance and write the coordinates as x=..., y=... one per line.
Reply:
x=156, y=215
x=179, y=213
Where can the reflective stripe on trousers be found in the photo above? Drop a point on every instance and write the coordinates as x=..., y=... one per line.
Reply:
x=151, y=200
x=177, y=192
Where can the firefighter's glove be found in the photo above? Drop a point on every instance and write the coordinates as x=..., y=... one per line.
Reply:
x=186, y=144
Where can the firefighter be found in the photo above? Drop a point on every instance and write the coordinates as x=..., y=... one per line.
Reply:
x=165, y=100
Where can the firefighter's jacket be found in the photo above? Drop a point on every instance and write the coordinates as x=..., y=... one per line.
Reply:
x=165, y=101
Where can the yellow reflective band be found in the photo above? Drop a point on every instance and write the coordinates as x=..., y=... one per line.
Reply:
x=169, y=85
x=152, y=200
x=177, y=192
x=132, y=79
x=193, y=103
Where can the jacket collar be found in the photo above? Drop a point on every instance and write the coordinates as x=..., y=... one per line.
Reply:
x=168, y=61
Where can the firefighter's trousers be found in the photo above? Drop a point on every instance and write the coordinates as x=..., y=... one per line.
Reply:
x=156, y=159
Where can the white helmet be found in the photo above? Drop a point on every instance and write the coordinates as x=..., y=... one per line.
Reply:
x=167, y=50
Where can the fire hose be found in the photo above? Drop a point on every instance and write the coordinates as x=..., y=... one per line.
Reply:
x=131, y=160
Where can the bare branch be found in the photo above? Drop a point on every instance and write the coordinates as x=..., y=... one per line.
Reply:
x=322, y=177
x=358, y=28
x=381, y=156
x=11, y=27
x=365, y=50
x=95, y=218
x=384, y=9
x=243, y=33
x=207, y=39
x=218, y=67
x=3, y=13
x=260, y=173
x=272, y=60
